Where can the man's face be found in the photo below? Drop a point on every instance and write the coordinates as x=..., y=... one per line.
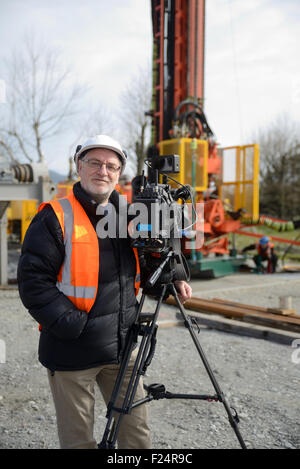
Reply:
x=99, y=182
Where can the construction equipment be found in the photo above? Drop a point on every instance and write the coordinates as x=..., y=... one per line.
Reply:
x=21, y=212
x=64, y=188
x=179, y=126
x=22, y=186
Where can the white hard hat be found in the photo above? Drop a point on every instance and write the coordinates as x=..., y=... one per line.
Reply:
x=102, y=141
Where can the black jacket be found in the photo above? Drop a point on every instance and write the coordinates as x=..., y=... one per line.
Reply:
x=71, y=339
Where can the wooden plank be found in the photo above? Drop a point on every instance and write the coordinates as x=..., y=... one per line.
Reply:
x=234, y=310
x=285, y=312
x=242, y=305
x=259, y=331
x=245, y=313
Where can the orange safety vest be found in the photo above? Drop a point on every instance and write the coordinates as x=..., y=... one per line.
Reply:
x=262, y=251
x=78, y=275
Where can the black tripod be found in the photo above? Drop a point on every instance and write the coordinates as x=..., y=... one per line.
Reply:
x=146, y=327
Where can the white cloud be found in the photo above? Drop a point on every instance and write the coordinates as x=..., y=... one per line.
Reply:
x=252, y=66
x=251, y=60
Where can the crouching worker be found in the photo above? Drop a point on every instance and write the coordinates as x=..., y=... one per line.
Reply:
x=265, y=252
x=81, y=288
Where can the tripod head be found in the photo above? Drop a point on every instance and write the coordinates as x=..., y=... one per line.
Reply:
x=165, y=270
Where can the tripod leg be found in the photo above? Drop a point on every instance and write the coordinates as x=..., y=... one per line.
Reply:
x=107, y=440
x=113, y=423
x=131, y=341
x=215, y=384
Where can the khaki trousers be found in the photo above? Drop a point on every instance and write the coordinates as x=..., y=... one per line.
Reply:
x=73, y=395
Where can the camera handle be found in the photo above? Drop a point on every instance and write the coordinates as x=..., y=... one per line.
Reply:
x=146, y=326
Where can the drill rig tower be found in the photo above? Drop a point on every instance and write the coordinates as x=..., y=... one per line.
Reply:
x=179, y=125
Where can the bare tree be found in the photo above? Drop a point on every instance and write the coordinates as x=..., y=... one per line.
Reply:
x=280, y=168
x=41, y=99
x=96, y=120
x=135, y=101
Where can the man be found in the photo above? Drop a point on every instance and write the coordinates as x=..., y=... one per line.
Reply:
x=265, y=252
x=82, y=291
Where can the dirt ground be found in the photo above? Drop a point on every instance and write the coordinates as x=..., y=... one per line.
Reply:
x=260, y=378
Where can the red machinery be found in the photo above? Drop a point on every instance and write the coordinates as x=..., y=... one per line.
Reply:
x=178, y=56
x=178, y=95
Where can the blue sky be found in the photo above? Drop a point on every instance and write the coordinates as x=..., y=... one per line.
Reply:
x=252, y=64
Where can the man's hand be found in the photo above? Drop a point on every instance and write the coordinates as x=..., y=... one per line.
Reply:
x=184, y=290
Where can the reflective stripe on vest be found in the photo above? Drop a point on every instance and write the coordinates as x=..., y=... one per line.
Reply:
x=78, y=276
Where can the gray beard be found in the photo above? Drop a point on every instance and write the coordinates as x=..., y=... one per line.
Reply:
x=101, y=198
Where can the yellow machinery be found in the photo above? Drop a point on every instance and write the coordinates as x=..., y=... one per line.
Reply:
x=235, y=174
x=198, y=153
x=21, y=212
x=236, y=169
x=19, y=216
x=240, y=181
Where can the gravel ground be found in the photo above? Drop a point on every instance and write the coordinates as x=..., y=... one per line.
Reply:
x=259, y=378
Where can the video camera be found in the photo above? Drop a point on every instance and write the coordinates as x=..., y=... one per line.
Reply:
x=163, y=221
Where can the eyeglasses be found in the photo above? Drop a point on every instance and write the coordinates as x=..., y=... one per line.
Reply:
x=95, y=164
